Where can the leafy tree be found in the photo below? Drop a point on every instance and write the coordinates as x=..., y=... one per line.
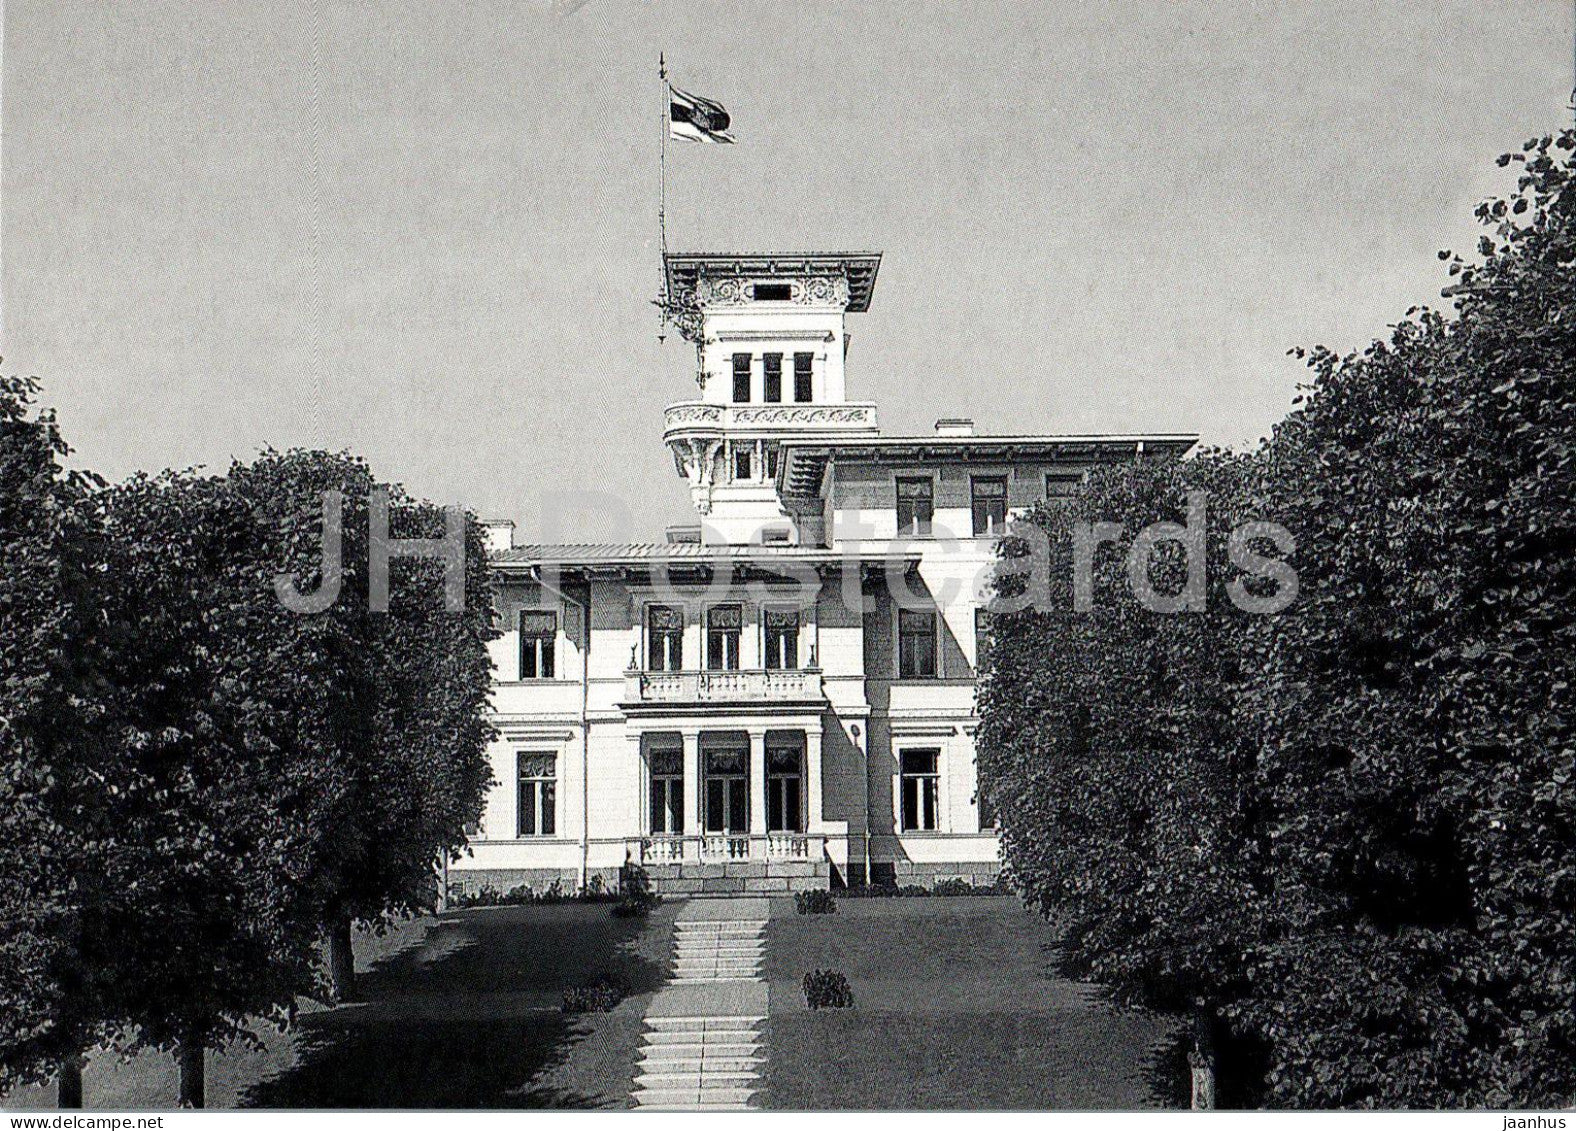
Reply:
x=226, y=805
x=55, y=779
x=1375, y=874
x=407, y=690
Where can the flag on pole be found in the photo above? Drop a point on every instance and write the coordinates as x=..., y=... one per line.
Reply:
x=692, y=118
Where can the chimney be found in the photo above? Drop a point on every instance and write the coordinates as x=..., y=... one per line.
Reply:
x=498, y=534
x=955, y=426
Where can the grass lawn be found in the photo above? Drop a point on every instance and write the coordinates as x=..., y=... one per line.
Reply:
x=459, y=1011
x=956, y=1005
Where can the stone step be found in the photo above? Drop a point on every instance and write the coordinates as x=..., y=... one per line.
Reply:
x=706, y=1021
x=701, y=981
x=718, y=924
x=732, y=1052
x=690, y=1101
x=658, y=1081
x=720, y=1042
x=698, y=1093
x=698, y=1066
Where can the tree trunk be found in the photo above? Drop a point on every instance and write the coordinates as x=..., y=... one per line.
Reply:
x=1201, y=1058
x=341, y=960
x=189, y=1056
x=69, y=1092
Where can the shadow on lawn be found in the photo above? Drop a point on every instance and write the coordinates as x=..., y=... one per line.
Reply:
x=469, y=1017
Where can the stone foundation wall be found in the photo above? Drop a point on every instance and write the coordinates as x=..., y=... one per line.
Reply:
x=904, y=873
x=748, y=877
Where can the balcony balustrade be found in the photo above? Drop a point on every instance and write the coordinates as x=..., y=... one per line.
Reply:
x=754, y=685
x=699, y=418
x=725, y=848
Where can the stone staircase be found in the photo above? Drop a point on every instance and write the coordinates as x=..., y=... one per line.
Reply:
x=708, y=1060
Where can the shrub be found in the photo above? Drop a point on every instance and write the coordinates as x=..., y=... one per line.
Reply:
x=818, y=902
x=636, y=899
x=598, y=997
x=827, y=989
x=596, y=891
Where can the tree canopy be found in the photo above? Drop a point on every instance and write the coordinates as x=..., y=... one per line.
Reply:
x=1348, y=828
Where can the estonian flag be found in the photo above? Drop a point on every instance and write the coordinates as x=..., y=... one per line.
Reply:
x=691, y=118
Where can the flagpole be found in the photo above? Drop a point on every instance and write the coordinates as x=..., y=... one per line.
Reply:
x=662, y=202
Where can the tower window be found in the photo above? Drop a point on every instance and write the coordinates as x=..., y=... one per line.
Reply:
x=772, y=292
x=773, y=363
x=743, y=463
x=741, y=378
x=802, y=390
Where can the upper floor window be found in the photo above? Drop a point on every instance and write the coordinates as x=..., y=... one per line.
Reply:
x=537, y=776
x=772, y=363
x=723, y=626
x=782, y=639
x=664, y=639
x=538, y=633
x=916, y=506
x=916, y=644
x=744, y=462
x=1062, y=484
x=803, y=388
x=990, y=504
x=982, y=624
x=741, y=378
x=920, y=790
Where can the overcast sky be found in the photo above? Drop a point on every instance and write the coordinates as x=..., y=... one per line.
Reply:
x=427, y=231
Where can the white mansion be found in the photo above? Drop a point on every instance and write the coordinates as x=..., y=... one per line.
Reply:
x=781, y=696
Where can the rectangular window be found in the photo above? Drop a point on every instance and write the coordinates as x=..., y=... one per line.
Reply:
x=773, y=457
x=916, y=506
x=726, y=800
x=921, y=787
x=773, y=363
x=784, y=790
x=981, y=634
x=667, y=792
x=664, y=639
x=987, y=810
x=538, y=633
x=1062, y=484
x=741, y=378
x=916, y=644
x=782, y=639
x=723, y=626
x=803, y=388
x=772, y=292
x=743, y=462
x=538, y=794
x=990, y=505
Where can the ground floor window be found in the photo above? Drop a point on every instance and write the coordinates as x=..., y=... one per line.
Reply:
x=538, y=794
x=667, y=792
x=920, y=788
x=784, y=790
x=726, y=798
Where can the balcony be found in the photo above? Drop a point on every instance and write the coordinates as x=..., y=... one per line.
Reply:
x=753, y=685
x=698, y=419
x=725, y=848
